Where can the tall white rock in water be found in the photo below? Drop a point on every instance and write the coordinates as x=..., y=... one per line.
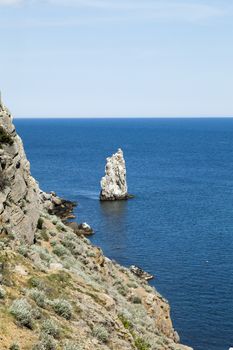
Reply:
x=114, y=184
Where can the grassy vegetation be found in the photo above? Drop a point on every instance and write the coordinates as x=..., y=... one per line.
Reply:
x=101, y=333
x=141, y=344
x=69, y=345
x=45, y=309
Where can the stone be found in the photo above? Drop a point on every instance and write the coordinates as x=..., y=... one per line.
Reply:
x=20, y=270
x=114, y=184
x=56, y=266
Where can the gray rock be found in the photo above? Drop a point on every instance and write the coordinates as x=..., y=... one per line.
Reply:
x=20, y=202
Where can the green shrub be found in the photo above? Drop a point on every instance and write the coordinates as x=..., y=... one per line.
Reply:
x=141, y=344
x=62, y=308
x=14, y=346
x=5, y=138
x=44, y=235
x=23, y=250
x=35, y=282
x=123, y=290
x=43, y=253
x=40, y=223
x=136, y=300
x=2, y=293
x=51, y=328
x=101, y=333
x=53, y=242
x=46, y=343
x=38, y=296
x=126, y=323
x=60, y=250
x=22, y=311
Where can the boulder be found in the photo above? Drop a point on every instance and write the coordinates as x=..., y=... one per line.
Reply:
x=80, y=229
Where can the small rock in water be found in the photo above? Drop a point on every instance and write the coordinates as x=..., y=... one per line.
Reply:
x=81, y=229
x=141, y=273
x=114, y=184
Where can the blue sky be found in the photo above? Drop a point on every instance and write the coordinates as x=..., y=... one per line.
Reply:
x=89, y=58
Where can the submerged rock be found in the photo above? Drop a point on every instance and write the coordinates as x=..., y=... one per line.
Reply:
x=114, y=184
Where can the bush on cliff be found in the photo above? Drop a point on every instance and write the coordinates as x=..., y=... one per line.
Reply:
x=62, y=308
x=5, y=138
x=22, y=311
x=3, y=181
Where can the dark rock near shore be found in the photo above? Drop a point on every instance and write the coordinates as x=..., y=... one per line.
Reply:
x=64, y=210
x=60, y=207
x=141, y=273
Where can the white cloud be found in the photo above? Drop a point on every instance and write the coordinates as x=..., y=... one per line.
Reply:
x=136, y=10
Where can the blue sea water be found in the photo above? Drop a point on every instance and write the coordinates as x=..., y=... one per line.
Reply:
x=179, y=227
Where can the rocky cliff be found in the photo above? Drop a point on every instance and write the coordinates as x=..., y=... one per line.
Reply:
x=61, y=292
x=20, y=202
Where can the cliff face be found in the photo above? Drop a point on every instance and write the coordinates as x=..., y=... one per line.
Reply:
x=20, y=203
x=62, y=293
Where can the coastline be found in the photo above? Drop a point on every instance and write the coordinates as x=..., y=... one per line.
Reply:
x=75, y=283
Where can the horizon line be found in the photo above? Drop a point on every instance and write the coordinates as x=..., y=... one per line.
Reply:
x=126, y=117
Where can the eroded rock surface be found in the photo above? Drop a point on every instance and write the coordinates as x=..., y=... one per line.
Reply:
x=114, y=184
x=20, y=202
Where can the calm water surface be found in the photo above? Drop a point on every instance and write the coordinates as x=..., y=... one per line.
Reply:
x=180, y=225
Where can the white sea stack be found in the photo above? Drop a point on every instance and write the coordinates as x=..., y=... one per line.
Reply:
x=114, y=184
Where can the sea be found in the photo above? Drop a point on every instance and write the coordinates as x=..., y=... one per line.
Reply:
x=179, y=226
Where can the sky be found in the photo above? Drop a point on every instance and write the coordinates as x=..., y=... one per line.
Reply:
x=117, y=58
